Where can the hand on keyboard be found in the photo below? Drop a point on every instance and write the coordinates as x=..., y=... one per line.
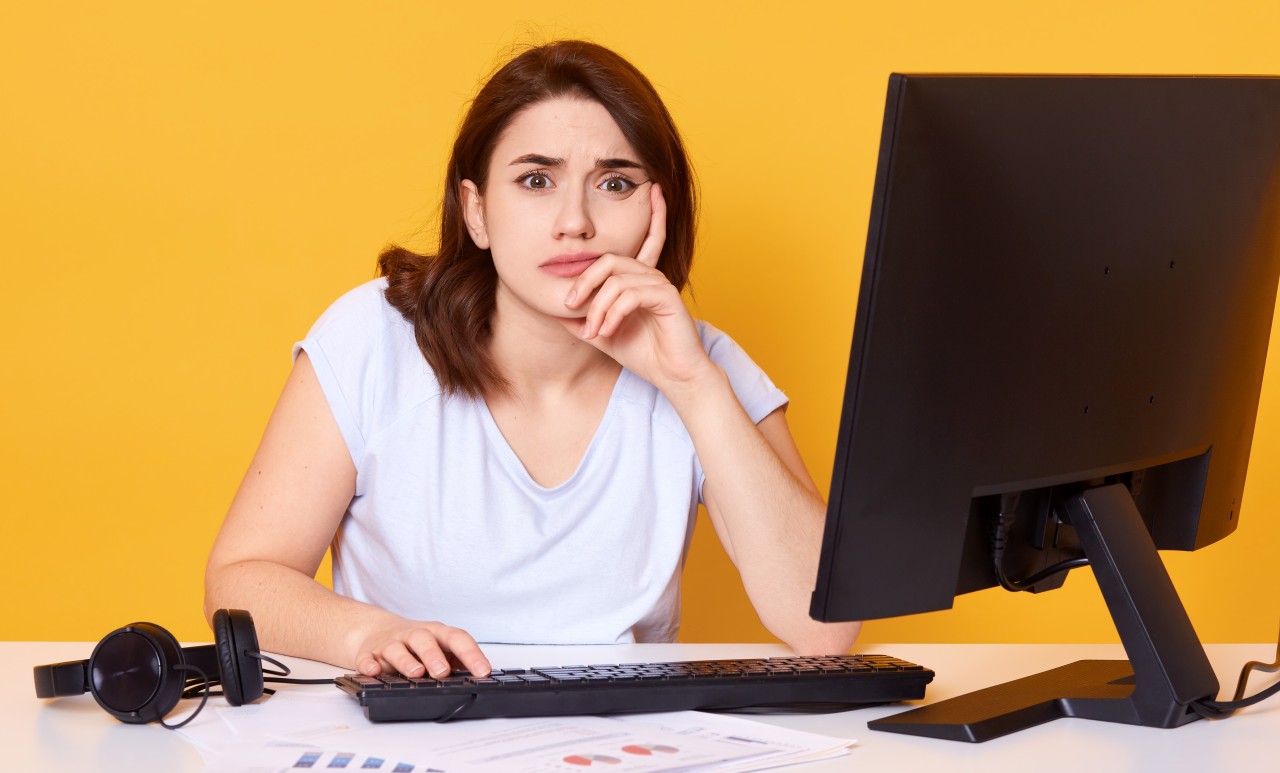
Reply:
x=412, y=648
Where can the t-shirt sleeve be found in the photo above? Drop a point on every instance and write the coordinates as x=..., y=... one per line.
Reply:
x=343, y=348
x=757, y=394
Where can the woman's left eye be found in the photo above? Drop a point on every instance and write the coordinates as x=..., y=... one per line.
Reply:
x=617, y=185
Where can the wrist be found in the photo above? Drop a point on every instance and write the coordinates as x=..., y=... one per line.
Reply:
x=367, y=626
x=706, y=387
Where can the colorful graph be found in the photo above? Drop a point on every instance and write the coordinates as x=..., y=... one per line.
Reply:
x=587, y=760
x=649, y=749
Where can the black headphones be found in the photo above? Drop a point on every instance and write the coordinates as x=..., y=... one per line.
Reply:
x=139, y=673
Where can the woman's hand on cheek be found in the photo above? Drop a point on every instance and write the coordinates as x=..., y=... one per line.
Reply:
x=635, y=315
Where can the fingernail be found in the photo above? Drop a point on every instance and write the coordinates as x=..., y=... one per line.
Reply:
x=571, y=297
x=439, y=668
x=480, y=668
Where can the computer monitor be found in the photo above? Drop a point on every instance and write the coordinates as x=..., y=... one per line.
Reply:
x=1058, y=350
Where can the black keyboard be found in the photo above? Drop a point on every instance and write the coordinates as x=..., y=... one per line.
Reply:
x=792, y=683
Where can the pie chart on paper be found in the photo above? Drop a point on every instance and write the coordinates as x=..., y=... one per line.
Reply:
x=649, y=749
x=587, y=760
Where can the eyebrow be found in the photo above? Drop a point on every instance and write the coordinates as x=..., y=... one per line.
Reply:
x=601, y=163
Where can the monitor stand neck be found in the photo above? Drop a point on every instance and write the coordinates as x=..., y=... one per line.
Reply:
x=1167, y=667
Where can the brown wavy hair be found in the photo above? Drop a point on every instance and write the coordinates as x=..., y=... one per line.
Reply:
x=449, y=297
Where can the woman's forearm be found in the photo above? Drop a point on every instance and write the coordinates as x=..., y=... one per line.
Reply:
x=770, y=519
x=293, y=614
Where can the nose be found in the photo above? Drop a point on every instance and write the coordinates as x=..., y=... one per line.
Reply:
x=573, y=221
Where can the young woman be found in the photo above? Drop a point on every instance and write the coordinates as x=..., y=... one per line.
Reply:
x=507, y=441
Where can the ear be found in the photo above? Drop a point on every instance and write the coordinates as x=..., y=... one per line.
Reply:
x=473, y=213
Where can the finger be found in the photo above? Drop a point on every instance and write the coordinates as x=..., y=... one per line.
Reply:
x=609, y=293
x=589, y=281
x=382, y=665
x=403, y=661
x=651, y=249
x=633, y=298
x=367, y=664
x=426, y=649
x=463, y=650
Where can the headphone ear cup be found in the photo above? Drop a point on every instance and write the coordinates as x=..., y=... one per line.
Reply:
x=235, y=638
x=132, y=676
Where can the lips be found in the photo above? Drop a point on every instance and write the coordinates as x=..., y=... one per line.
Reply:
x=570, y=264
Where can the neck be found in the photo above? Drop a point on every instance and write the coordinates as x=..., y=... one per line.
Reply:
x=538, y=356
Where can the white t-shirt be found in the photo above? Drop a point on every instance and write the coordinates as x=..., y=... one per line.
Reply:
x=447, y=525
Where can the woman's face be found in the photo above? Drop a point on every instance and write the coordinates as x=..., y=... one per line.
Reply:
x=564, y=187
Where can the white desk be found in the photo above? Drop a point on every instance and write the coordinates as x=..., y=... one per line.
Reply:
x=74, y=734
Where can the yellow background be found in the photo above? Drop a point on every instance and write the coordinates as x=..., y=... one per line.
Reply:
x=184, y=187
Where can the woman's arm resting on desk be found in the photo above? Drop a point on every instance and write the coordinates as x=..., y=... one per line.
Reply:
x=281, y=522
x=767, y=513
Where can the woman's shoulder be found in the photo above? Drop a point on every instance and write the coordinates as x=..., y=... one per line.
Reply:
x=710, y=334
x=757, y=393
x=363, y=333
x=367, y=361
x=718, y=344
x=363, y=307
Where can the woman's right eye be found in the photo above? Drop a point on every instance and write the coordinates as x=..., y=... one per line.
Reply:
x=535, y=181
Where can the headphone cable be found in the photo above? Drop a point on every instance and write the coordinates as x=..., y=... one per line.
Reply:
x=204, y=698
x=278, y=677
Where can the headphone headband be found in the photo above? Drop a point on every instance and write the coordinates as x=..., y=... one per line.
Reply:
x=61, y=679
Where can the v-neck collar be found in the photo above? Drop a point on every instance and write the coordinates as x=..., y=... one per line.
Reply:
x=512, y=460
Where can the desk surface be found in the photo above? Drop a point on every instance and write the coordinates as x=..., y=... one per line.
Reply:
x=74, y=734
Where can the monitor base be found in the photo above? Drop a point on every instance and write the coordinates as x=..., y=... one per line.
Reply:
x=1167, y=669
x=1086, y=689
